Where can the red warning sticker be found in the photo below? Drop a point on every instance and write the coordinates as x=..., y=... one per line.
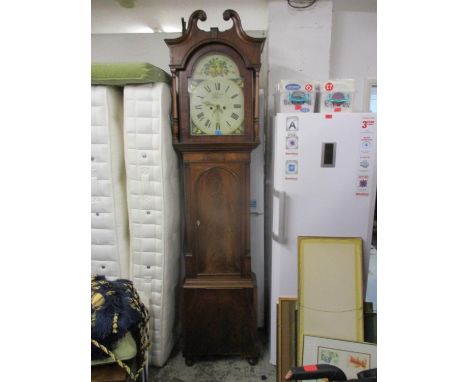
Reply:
x=308, y=87
x=328, y=86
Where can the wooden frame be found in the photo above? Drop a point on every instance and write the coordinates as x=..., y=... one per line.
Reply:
x=351, y=357
x=330, y=289
x=286, y=334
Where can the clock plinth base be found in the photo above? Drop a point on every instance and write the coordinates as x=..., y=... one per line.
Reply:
x=220, y=318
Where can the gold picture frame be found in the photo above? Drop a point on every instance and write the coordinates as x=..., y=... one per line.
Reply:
x=330, y=295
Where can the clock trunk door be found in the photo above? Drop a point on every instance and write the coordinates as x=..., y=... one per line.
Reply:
x=217, y=222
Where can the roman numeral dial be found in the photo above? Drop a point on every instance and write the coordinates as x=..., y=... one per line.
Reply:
x=217, y=107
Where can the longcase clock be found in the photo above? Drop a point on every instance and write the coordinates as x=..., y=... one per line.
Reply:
x=215, y=125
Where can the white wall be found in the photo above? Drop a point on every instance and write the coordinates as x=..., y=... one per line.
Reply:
x=132, y=47
x=331, y=39
x=146, y=47
x=298, y=42
x=354, y=44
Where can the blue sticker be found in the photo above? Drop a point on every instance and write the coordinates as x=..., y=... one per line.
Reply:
x=305, y=109
x=291, y=167
x=293, y=87
x=218, y=132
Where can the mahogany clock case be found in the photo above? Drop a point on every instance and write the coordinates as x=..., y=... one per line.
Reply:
x=217, y=241
x=219, y=291
x=220, y=319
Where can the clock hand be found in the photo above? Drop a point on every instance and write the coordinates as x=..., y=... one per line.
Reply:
x=209, y=104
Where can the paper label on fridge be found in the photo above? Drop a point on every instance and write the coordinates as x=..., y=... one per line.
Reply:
x=292, y=142
x=362, y=185
x=364, y=163
x=292, y=124
x=367, y=122
x=366, y=143
x=291, y=169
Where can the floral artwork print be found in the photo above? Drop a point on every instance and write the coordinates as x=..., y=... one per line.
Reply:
x=357, y=362
x=329, y=356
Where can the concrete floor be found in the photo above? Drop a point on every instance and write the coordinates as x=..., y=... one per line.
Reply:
x=216, y=369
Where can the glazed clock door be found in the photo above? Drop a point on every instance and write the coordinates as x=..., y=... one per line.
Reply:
x=218, y=219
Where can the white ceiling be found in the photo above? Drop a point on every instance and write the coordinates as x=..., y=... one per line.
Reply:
x=147, y=16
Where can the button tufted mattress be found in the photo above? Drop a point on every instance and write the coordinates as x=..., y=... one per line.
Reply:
x=153, y=195
x=109, y=217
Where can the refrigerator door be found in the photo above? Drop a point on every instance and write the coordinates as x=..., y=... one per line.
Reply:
x=324, y=184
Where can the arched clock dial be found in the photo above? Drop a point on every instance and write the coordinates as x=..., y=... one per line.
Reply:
x=217, y=107
x=216, y=97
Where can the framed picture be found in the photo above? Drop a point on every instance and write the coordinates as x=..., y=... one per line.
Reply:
x=351, y=357
x=286, y=335
x=330, y=289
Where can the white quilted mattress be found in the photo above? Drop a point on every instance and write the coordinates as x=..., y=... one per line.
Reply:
x=153, y=195
x=109, y=217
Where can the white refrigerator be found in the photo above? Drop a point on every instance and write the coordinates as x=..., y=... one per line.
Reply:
x=324, y=184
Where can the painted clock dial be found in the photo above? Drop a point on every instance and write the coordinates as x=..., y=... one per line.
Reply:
x=216, y=97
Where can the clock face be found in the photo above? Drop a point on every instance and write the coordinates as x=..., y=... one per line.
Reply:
x=216, y=97
x=217, y=108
